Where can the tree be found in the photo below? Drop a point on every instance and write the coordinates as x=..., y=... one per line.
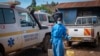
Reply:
x=47, y=3
x=57, y=3
x=53, y=3
x=33, y=3
x=42, y=7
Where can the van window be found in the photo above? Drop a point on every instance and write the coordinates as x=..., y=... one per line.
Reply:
x=94, y=20
x=83, y=21
x=9, y=16
x=89, y=20
x=42, y=17
x=98, y=20
x=1, y=17
x=26, y=20
x=79, y=21
x=51, y=20
x=6, y=16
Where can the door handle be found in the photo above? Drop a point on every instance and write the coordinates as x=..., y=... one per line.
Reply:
x=75, y=29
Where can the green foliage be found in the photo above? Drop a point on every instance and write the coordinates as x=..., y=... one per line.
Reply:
x=48, y=7
x=42, y=7
x=53, y=3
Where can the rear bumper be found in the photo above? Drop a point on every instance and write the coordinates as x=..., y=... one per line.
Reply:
x=82, y=39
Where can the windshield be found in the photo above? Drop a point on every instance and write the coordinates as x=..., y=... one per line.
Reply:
x=26, y=20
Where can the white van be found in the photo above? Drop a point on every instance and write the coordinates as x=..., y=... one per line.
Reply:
x=18, y=31
x=45, y=19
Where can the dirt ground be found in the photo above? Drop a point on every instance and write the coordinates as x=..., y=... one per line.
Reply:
x=79, y=49
x=85, y=49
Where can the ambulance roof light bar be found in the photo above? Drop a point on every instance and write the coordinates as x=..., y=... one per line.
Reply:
x=12, y=3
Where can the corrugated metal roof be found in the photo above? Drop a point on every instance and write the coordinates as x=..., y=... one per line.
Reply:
x=79, y=4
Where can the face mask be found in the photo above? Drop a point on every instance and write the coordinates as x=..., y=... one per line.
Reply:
x=59, y=22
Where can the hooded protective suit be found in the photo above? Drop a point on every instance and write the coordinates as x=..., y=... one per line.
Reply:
x=57, y=34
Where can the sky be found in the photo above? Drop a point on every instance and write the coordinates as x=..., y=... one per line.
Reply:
x=25, y=3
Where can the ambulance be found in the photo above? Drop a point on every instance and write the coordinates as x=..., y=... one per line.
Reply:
x=18, y=31
x=44, y=18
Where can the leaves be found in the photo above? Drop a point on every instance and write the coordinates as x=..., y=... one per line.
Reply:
x=42, y=7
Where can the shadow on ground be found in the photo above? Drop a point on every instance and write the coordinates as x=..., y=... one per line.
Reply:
x=31, y=52
x=86, y=46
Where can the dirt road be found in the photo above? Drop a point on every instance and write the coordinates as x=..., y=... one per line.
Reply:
x=79, y=49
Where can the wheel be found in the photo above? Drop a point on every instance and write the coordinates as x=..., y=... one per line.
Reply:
x=96, y=42
x=94, y=45
x=46, y=43
x=69, y=43
x=1, y=54
x=2, y=51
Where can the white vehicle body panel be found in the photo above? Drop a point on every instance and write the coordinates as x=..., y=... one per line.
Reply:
x=14, y=37
x=84, y=32
x=47, y=19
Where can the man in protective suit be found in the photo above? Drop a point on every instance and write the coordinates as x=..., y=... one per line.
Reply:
x=57, y=34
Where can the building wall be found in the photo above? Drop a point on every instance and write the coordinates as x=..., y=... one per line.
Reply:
x=88, y=11
x=69, y=15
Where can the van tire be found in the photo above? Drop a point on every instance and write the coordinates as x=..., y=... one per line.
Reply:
x=2, y=50
x=96, y=42
x=94, y=45
x=46, y=43
x=69, y=43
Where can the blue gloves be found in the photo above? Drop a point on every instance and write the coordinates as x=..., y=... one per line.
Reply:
x=68, y=38
x=50, y=40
